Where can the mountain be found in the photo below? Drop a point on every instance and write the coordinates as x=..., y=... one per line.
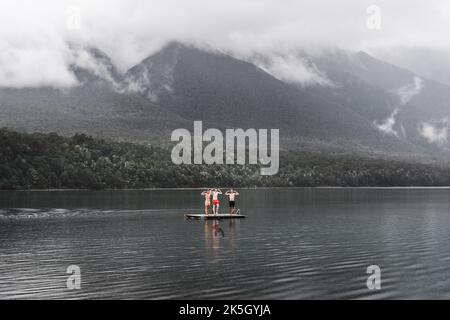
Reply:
x=98, y=111
x=92, y=65
x=226, y=92
x=397, y=102
x=97, y=106
x=363, y=105
x=401, y=103
x=426, y=62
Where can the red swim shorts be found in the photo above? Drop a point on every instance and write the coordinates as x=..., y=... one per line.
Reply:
x=215, y=202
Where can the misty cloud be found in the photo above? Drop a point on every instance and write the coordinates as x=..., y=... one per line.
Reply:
x=429, y=63
x=407, y=92
x=387, y=126
x=34, y=65
x=435, y=132
x=34, y=37
x=85, y=59
x=292, y=69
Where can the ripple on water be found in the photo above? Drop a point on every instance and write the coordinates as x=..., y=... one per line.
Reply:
x=305, y=248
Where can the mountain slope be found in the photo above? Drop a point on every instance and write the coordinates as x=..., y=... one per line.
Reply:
x=366, y=105
x=404, y=102
x=96, y=106
x=226, y=92
x=94, y=110
x=49, y=161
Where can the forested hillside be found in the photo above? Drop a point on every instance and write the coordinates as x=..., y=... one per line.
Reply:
x=48, y=161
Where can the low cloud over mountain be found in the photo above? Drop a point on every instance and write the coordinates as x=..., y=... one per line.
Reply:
x=136, y=72
x=36, y=37
x=361, y=104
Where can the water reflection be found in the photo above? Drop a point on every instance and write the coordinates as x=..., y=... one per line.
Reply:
x=232, y=233
x=220, y=233
x=213, y=234
x=294, y=244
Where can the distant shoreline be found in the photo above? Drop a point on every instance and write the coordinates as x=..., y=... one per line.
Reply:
x=243, y=188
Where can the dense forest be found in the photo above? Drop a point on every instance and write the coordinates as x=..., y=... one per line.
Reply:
x=49, y=161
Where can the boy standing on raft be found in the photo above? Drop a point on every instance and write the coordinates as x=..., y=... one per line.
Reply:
x=207, y=194
x=232, y=199
x=215, y=203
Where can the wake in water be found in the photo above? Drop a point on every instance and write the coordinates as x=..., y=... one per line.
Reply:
x=32, y=213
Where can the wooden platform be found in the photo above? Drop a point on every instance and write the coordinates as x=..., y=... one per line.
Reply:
x=214, y=216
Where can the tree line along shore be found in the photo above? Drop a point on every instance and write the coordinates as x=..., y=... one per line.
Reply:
x=50, y=161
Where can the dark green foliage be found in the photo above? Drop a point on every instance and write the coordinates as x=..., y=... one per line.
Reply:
x=49, y=161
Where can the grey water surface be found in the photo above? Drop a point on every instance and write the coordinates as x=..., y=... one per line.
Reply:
x=294, y=244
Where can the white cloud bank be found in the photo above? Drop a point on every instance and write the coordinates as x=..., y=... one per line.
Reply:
x=435, y=132
x=291, y=68
x=34, y=37
x=407, y=92
x=387, y=126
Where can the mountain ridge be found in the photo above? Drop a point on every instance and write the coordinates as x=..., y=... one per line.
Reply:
x=182, y=83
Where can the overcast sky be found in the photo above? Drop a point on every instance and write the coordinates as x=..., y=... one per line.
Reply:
x=34, y=35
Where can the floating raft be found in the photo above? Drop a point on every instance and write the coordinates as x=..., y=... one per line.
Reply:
x=214, y=216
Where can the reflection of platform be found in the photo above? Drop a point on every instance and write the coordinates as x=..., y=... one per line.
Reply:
x=214, y=216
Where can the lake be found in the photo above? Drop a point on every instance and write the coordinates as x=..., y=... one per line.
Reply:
x=294, y=244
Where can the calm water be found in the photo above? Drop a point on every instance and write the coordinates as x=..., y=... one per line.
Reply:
x=295, y=243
